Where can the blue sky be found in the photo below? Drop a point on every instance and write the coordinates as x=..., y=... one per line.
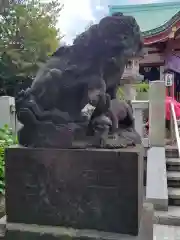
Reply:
x=78, y=14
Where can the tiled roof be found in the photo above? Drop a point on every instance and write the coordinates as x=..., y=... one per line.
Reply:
x=152, y=18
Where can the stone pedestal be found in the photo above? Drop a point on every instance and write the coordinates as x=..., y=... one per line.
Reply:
x=90, y=190
x=157, y=114
x=129, y=92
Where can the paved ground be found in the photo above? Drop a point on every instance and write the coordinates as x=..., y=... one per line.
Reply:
x=161, y=232
x=170, y=217
x=165, y=232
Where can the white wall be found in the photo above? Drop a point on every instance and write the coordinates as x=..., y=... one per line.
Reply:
x=7, y=113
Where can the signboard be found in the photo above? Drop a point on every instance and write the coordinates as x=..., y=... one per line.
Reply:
x=169, y=79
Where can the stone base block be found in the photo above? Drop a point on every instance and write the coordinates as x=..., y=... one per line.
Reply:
x=65, y=234
x=36, y=232
x=79, y=189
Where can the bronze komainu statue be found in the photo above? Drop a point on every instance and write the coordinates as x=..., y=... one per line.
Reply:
x=88, y=71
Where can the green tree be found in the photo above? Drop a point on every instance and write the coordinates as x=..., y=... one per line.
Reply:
x=28, y=35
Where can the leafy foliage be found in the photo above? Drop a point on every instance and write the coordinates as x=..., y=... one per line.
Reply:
x=6, y=139
x=140, y=87
x=120, y=93
x=28, y=35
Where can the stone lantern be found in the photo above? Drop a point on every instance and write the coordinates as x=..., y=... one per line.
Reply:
x=130, y=77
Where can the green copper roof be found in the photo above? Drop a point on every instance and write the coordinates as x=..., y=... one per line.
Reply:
x=152, y=18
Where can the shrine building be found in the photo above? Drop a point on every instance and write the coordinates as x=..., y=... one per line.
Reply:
x=160, y=27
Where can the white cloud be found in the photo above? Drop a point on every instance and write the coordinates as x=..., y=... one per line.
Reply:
x=75, y=16
x=100, y=8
